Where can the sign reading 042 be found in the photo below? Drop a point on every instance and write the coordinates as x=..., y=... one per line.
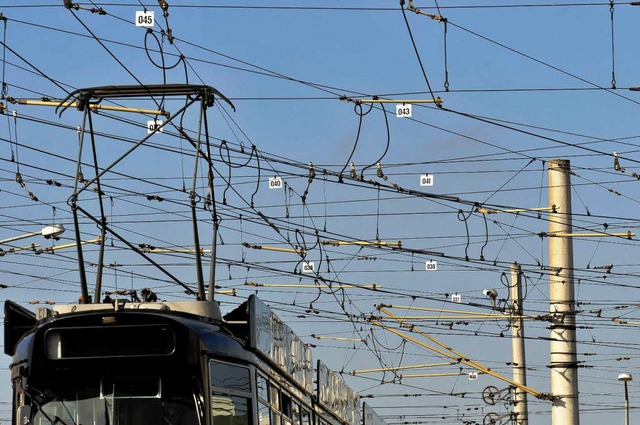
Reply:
x=155, y=125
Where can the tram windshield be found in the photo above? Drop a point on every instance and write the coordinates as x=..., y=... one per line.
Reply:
x=116, y=401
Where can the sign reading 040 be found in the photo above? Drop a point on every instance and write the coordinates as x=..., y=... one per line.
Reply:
x=275, y=183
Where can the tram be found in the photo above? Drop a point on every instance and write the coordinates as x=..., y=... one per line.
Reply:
x=167, y=363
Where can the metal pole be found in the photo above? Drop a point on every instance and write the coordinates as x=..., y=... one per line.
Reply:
x=214, y=213
x=73, y=203
x=212, y=268
x=517, y=345
x=626, y=404
x=626, y=377
x=564, y=371
x=194, y=216
x=103, y=218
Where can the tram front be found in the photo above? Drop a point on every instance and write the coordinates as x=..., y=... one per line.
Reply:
x=102, y=364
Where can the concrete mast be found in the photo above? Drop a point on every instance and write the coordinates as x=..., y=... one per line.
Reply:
x=519, y=397
x=564, y=371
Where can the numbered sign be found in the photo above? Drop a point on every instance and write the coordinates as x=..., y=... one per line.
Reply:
x=403, y=111
x=473, y=376
x=456, y=298
x=426, y=180
x=275, y=183
x=155, y=125
x=431, y=265
x=144, y=19
x=308, y=267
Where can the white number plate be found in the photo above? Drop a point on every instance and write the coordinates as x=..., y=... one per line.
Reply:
x=144, y=19
x=431, y=265
x=155, y=125
x=403, y=111
x=308, y=267
x=426, y=180
x=456, y=298
x=275, y=183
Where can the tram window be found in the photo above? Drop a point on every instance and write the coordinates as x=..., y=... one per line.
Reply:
x=306, y=417
x=231, y=394
x=274, y=398
x=295, y=413
x=91, y=400
x=224, y=375
x=230, y=410
x=275, y=418
x=97, y=342
x=263, y=387
x=263, y=414
x=285, y=405
x=131, y=387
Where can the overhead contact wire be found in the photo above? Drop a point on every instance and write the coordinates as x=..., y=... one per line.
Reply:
x=4, y=56
x=415, y=48
x=555, y=68
x=613, y=56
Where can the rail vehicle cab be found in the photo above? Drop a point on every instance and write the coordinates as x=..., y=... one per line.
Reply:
x=167, y=363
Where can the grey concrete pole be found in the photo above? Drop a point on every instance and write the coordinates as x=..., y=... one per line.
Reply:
x=517, y=345
x=564, y=371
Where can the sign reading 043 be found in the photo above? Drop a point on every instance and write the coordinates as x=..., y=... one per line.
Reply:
x=403, y=110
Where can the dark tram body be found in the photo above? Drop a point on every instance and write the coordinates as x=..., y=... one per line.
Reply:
x=167, y=363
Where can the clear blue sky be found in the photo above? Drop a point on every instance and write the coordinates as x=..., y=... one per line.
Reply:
x=527, y=83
